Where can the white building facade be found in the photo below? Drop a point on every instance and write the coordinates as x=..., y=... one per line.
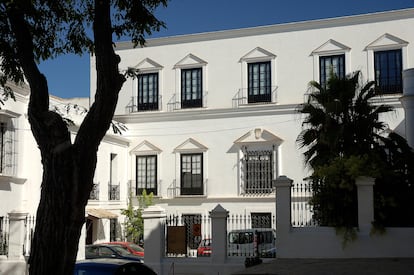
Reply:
x=212, y=117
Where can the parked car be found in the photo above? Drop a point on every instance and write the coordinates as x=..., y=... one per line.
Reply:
x=131, y=247
x=204, y=248
x=252, y=242
x=114, y=251
x=111, y=267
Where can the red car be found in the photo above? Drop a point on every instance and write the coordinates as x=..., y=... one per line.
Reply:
x=131, y=247
x=204, y=248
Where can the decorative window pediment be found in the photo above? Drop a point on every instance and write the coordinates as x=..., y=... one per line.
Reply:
x=257, y=54
x=8, y=114
x=387, y=41
x=147, y=65
x=331, y=47
x=258, y=135
x=190, y=61
x=190, y=146
x=145, y=148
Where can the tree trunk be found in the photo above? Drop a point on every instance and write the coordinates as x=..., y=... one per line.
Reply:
x=68, y=169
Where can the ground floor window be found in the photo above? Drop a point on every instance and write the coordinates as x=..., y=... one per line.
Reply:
x=258, y=170
x=192, y=223
x=192, y=174
x=261, y=220
x=146, y=174
x=113, y=229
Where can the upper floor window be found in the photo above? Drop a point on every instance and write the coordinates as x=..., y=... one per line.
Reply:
x=113, y=186
x=191, y=84
x=387, y=58
x=332, y=58
x=3, y=143
x=333, y=65
x=388, y=71
x=259, y=82
x=191, y=88
x=7, y=145
x=192, y=174
x=146, y=174
x=148, y=94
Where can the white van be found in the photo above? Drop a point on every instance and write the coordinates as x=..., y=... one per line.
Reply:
x=252, y=242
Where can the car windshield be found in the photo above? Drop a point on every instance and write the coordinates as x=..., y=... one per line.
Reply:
x=121, y=250
x=136, y=247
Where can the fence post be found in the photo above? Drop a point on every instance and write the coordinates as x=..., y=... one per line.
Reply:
x=219, y=234
x=16, y=234
x=365, y=202
x=283, y=187
x=154, y=236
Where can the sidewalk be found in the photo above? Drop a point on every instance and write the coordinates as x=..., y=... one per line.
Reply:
x=397, y=266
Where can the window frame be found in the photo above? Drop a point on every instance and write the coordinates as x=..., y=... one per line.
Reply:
x=254, y=82
x=196, y=186
x=261, y=180
x=189, y=97
x=154, y=175
x=324, y=72
x=8, y=146
x=148, y=101
x=390, y=89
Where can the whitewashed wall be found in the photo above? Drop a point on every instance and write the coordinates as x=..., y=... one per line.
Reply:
x=293, y=49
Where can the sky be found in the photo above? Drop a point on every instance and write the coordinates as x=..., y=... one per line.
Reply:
x=68, y=76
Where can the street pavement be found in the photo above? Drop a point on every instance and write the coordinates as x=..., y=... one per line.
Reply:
x=394, y=266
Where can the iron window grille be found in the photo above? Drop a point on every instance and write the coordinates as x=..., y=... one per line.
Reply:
x=261, y=220
x=191, y=220
x=388, y=71
x=258, y=171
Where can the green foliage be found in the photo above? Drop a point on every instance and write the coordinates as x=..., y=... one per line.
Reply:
x=61, y=27
x=134, y=224
x=349, y=234
x=345, y=139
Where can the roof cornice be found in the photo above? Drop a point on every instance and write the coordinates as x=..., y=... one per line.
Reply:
x=198, y=114
x=277, y=28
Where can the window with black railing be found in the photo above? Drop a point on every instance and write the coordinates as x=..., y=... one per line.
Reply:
x=113, y=192
x=146, y=174
x=388, y=71
x=259, y=82
x=191, y=88
x=148, y=92
x=192, y=174
x=94, y=195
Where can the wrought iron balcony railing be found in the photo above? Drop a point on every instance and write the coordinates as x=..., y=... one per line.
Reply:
x=94, y=195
